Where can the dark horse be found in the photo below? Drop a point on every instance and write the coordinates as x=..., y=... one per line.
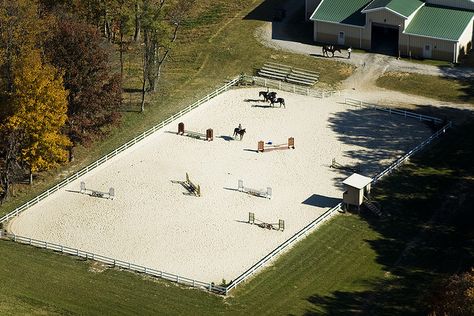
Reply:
x=278, y=100
x=267, y=95
x=240, y=132
x=330, y=49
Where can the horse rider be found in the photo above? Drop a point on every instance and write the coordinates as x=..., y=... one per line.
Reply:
x=240, y=127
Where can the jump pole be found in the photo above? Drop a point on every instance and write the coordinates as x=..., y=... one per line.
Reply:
x=289, y=145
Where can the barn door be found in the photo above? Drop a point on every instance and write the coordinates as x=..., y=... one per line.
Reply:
x=427, y=51
x=341, y=39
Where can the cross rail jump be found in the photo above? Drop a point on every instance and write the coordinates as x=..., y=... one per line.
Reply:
x=262, y=147
x=259, y=193
x=280, y=226
x=209, y=136
x=105, y=195
x=191, y=187
x=336, y=165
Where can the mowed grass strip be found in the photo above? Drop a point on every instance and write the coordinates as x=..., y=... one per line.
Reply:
x=441, y=88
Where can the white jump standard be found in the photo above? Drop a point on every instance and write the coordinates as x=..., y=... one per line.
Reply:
x=260, y=193
x=106, y=195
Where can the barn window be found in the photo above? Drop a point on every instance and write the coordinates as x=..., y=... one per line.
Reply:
x=341, y=35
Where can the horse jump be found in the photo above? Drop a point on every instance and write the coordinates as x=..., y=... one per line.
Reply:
x=209, y=136
x=191, y=187
x=262, y=147
x=336, y=165
x=106, y=195
x=260, y=193
x=272, y=226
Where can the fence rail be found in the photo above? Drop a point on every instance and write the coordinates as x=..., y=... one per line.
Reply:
x=420, y=117
x=117, y=151
x=261, y=263
x=276, y=84
x=405, y=157
x=117, y=263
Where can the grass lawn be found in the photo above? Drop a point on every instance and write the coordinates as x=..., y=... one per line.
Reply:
x=450, y=90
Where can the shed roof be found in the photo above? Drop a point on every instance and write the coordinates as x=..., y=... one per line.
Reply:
x=440, y=22
x=402, y=7
x=357, y=181
x=341, y=11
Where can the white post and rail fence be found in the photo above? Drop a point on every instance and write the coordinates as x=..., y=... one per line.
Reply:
x=224, y=290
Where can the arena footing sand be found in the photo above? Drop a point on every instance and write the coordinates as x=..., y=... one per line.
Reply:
x=153, y=222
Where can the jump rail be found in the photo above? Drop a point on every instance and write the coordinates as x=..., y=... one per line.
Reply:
x=420, y=117
x=262, y=262
x=120, y=149
x=118, y=263
x=276, y=84
x=405, y=157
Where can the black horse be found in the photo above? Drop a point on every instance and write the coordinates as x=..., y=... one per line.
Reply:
x=330, y=49
x=278, y=100
x=240, y=132
x=264, y=94
x=267, y=95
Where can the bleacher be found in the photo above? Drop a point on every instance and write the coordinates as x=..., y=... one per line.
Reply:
x=289, y=74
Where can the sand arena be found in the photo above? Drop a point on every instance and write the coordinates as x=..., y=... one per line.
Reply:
x=154, y=223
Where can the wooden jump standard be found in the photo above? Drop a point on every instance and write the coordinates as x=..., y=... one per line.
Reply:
x=262, y=147
x=280, y=226
x=209, y=136
x=191, y=187
x=260, y=193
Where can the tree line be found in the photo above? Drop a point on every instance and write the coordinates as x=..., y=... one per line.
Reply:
x=58, y=88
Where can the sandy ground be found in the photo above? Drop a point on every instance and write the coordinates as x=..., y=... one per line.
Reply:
x=153, y=222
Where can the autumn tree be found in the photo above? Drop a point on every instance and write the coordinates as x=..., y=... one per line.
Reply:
x=39, y=103
x=456, y=296
x=94, y=92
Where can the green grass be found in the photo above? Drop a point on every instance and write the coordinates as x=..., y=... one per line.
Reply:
x=445, y=89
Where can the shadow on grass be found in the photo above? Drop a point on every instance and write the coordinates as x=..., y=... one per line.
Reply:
x=429, y=235
x=287, y=18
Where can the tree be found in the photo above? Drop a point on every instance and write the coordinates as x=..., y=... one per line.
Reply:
x=39, y=103
x=94, y=93
x=456, y=296
x=160, y=24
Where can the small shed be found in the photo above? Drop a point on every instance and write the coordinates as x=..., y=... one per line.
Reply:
x=355, y=188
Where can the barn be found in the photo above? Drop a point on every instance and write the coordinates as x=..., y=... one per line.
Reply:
x=433, y=29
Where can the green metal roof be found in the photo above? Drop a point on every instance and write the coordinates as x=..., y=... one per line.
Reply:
x=440, y=22
x=341, y=11
x=403, y=7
